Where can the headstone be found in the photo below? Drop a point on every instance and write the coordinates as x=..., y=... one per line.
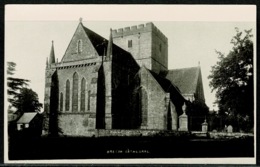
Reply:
x=183, y=120
x=229, y=129
x=205, y=126
x=225, y=128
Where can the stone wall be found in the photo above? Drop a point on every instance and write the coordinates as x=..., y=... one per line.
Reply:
x=159, y=52
x=157, y=111
x=47, y=94
x=80, y=124
x=225, y=135
x=90, y=75
x=87, y=49
x=149, y=45
x=174, y=117
x=141, y=46
x=132, y=133
x=124, y=68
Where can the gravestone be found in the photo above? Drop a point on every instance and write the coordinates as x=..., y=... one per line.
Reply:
x=229, y=129
x=204, y=126
x=183, y=120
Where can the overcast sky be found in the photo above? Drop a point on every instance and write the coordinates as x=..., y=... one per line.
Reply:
x=193, y=32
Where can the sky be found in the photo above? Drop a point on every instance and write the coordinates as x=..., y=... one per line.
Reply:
x=193, y=32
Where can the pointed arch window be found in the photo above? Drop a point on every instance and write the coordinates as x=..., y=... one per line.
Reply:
x=79, y=46
x=82, y=96
x=144, y=104
x=75, y=92
x=67, y=100
x=89, y=100
x=61, y=101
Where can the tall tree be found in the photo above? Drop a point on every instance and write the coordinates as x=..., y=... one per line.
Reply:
x=232, y=77
x=20, y=97
x=14, y=84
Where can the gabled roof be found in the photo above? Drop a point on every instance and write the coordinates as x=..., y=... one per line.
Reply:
x=96, y=40
x=27, y=117
x=186, y=79
x=100, y=43
x=168, y=86
x=165, y=83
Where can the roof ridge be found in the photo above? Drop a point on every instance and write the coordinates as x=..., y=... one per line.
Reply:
x=197, y=67
x=185, y=79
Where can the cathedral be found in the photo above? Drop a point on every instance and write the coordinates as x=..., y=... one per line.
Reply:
x=120, y=83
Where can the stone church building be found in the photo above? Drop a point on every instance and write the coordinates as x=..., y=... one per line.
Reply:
x=120, y=83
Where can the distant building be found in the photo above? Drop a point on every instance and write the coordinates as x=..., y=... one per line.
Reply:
x=120, y=83
x=25, y=120
x=189, y=82
x=30, y=123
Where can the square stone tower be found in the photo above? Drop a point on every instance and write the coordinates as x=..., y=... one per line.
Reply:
x=147, y=44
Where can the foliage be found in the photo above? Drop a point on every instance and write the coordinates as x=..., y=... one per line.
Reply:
x=14, y=84
x=27, y=101
x=197, y=108
x=20, y=97
x=232, y=77
x=197, y=111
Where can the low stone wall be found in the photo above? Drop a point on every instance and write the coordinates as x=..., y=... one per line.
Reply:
x=224, y=135
x=120, y=132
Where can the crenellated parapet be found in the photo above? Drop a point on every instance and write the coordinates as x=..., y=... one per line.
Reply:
x=141, y=28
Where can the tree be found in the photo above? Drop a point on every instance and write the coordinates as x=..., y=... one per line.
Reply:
x=197, y=111
x=27, y=101
x=20, y=97
x=232, y=77
x=14, y=84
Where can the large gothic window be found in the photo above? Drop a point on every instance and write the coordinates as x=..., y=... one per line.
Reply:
x=61, y=101
x=67, y=100
x=82, y=96
x=75, y=92
x=143, y=106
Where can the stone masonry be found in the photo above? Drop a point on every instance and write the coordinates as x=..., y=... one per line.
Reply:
x=109, y=84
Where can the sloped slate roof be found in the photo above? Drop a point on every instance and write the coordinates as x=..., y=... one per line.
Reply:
x=167, y=85
x=26, y=117
x=96, y=40
x=186, y=79
x=100, y=43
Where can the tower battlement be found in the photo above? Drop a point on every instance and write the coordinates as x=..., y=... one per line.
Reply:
x=141, y=28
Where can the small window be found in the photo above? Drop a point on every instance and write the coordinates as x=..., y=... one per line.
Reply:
x=129, y=43
x=160, y=47
x=79, y=46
